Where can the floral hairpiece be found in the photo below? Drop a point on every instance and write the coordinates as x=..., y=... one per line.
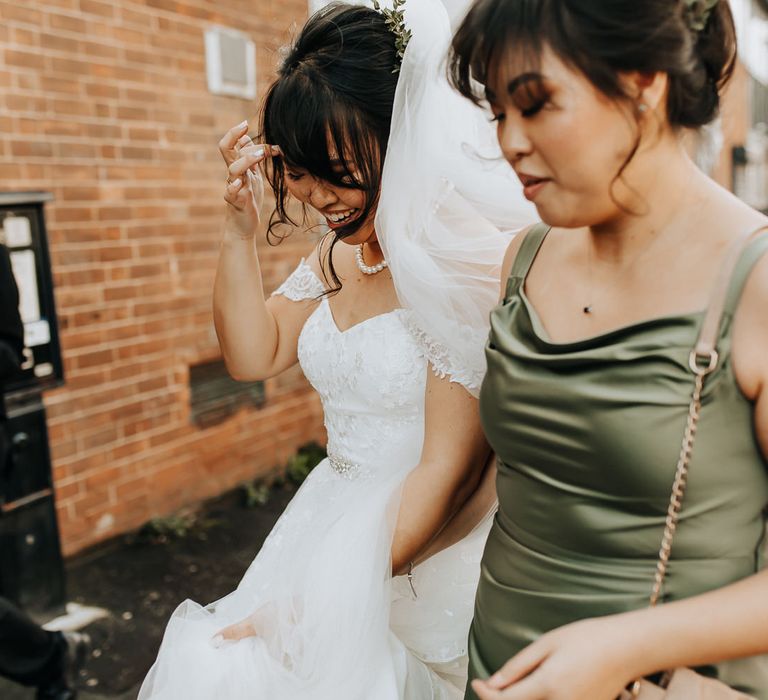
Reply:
x=698, y=12
x=395, y=19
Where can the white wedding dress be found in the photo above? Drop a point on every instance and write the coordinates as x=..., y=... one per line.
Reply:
x=335, y=625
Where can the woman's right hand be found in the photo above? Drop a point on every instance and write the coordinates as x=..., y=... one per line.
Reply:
x=244, y=192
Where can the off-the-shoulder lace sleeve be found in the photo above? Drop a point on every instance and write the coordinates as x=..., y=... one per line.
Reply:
x=302, y=284
x=467, y=371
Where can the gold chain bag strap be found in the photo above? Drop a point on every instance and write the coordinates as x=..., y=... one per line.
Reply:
x=683, y=683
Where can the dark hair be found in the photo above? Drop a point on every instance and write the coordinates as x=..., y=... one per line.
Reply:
x=337, y=81
x=602, y=38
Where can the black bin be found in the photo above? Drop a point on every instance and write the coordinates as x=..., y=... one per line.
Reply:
x=31, y=568
x=27, y=470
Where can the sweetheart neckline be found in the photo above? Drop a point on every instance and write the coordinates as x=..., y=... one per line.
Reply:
x=359, y=323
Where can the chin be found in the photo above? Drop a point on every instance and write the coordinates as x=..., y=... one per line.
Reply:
x=560, y=217
x=365, y=234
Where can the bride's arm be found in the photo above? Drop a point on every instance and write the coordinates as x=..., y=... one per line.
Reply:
x=477, y=507
x=258, y=335
x=441, y=488
x=451, y=467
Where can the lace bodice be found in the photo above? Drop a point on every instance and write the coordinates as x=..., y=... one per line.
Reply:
x=370, y=378
x=371, y=381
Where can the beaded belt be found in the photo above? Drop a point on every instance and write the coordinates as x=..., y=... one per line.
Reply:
x=344, y=468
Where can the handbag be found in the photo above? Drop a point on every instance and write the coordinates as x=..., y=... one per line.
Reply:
x=683, y=683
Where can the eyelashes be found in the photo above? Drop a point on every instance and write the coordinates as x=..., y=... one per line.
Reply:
x=527, y=112
x=346, y=181
x=528, y=99
x=533, y=110
x=531, y=97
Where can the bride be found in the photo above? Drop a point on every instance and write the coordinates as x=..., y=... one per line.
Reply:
x=364, y=589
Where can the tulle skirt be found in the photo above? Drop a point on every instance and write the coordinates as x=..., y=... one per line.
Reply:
x=332, y=623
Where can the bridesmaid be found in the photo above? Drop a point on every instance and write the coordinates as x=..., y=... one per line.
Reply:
x=588, y=385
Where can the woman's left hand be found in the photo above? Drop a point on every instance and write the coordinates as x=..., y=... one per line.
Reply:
x=586, y=660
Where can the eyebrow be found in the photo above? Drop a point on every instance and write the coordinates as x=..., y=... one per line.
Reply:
x=514, y=84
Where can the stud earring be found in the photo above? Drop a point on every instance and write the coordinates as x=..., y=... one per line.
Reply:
x=642, y=107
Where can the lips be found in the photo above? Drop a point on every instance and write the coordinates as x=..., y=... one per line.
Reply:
x=532, y=185
x=336, y=219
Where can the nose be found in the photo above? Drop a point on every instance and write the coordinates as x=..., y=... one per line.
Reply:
x=513, y=139
x=321, y=195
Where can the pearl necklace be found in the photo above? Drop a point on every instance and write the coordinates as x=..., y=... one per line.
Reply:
x=368, y=269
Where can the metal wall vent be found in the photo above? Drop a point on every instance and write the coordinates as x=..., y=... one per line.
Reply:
x=230, y=59
x=214, y=395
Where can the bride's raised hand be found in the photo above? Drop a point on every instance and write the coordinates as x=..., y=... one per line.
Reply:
x=244, y=192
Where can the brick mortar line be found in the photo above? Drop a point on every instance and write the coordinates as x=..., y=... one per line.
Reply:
x=196, y=434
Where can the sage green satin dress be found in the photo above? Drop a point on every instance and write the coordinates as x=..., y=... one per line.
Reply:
x=587, y=436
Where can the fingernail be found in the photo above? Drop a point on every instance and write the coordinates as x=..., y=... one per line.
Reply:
x=496, y=679
x=236, y=183
x=242, y=124
x=259, y=152
x=217, y=641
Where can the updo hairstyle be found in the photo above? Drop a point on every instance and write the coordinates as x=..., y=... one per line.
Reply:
x=603, y=38
x=337, y=81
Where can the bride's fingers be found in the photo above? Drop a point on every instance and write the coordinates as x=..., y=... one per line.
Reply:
x=244, y=141
x=238, y=193
x=238, y=631
x=251, y=157
x=262, y=150
x=248, y=161
x=269, y=150
x=233, y=188
x=228, y=142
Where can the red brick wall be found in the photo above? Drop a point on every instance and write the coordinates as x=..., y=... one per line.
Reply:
x=104, y=103
x=736, y=122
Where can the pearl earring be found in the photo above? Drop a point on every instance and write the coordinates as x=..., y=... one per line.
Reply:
x=642, y=107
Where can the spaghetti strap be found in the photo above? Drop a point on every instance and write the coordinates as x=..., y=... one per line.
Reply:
x=529, y=248
x=749, y=258
x=714, y=332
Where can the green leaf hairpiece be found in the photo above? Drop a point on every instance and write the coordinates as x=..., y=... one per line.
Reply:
x=395, y=20
x=698, y=12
